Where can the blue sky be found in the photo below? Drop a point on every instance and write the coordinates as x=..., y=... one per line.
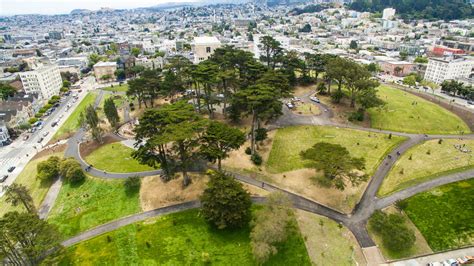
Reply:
x=12, y=7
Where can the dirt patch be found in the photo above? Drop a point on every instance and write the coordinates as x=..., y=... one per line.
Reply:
x=155, y=193
x=303, y=90
x=343, y=111
x=49, y=151
x=89, y=146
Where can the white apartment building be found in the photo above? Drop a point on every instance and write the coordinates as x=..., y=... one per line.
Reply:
x=203, y=47
x=45, y=81
x=441, y=69
x=388, y=13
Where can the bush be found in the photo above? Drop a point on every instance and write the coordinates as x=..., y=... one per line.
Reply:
x=357, y=116
x=63, y=89
x=396, y=236
x=248, y=151
x=49, y=169
x=52, y=101
x=337, y=96
x=261, y=134
x=256, y=159
x=71, y=171
x=440, y=141
x=47, y=106
x=225, y=203
x=132, y=184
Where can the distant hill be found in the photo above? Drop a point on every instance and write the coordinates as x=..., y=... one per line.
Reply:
x=419, y=9
x=79, y=11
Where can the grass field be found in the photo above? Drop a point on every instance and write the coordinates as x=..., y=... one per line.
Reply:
x=182, y=238
x=115, y=157
x=290, y=141
x=123, y=87
x=71, y=123
x=445, y=215
x=96, y=201
x=400, y=114
x=442, y=159
x=27, y=177
x=329, y=244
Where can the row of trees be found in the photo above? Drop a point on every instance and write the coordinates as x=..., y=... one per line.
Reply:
x=457, y=88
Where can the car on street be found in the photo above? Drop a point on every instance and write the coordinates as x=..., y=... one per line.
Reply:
x=11, y=169
x=26, y=137
x=54, y=124
x=4, y=177
x=470, y=102
x=314, y=99
x=290, y=105
x=296, y=99
x=45, y=133
x=39, y=140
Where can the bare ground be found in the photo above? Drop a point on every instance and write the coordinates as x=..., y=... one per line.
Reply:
x=89, y=146
x=45, y=152
x=342, y=111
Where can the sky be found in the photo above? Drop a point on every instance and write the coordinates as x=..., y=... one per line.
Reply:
x=50, y=7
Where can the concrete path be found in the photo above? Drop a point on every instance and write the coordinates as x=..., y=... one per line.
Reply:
x=438, y=257
x=50, y=199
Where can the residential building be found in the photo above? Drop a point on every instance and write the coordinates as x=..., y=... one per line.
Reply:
x=203, y=47
x=441, y=69
x=105, y=71
x=55, y=35
x=150, y=63
x=446, y=51
x=388, y=13
x=395, y=67
x=45, y=81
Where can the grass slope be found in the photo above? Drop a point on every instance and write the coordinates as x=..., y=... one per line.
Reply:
x=27, y=177
x=115, y=157
x=71, y=123
x=182, y=238
x=96, y=201
x=290, y=141
x=444, y=158
x=445, y=215
x=400, y=114
x=123, y=87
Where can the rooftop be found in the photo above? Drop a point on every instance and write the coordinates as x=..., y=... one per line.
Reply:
x=206, y=40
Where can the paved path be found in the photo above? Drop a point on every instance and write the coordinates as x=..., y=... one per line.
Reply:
x=438, y=257
x=50, y=199
x=356, y=221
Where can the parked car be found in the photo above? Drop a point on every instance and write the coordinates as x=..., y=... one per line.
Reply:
x=26, y=137
x=296, y=99
x=11, y=169
x=314, y=99
x=45, y=133
x=54, y=124
x=470, y=102
x=3, y=178
x=39, y=140
x=290, y=105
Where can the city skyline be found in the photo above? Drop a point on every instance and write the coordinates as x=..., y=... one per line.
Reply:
x=54, y=7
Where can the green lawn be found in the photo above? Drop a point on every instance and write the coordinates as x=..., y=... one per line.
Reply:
x=442, y=159
x=123, y=87
x=71, y=123
x=27, y=177
x=115, y=157
x=445, y=215
x=290, y=141
x=96, y=201
x=182, y=238
x=400, y=114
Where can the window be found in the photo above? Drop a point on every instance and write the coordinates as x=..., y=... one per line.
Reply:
x=208, y=50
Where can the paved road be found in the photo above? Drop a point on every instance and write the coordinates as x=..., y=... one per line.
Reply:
x=356, y=221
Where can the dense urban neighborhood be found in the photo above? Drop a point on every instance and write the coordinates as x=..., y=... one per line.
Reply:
x=265, y=132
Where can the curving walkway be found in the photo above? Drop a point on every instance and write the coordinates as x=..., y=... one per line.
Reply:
x=356, y=221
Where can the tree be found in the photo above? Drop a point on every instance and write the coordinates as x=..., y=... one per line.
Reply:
x=421, y=60
x=91, y=121
x=409, y=80
x=25, y=239
x=111, y=112
x=337, y=68
x=225, y=203
x=353, y=45
x=18, y=194
x=358, y=79
x=135, y=51
x=271, y=51
x=176, y=125
x=66, y=84
x=306, y=28
x=271, y=225
x=403, y=56
x=397, y=70
x=71, y=171
x=396, y=236
x=49, y=169
x=218, y=140
x=260, y=101
x=132, y=184
x=336, y=163
x=6, y=91
x=373, y=67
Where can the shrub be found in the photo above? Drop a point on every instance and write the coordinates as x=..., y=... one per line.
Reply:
x=225, y=203
x=132, y=184
x=33, y=120
x=440, y=141
x=248, y=151
x=261, y=134
x=337, y=96
x=396, y=236
x=256, y=159
x=71, y=171
x=47, y=106
x=49, y=169
x=390, y=136
x=428, y=152
x=357, y=116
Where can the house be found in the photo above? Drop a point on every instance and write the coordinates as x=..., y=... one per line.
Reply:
x=4, y=136
x=203, y=48
x=105, y=71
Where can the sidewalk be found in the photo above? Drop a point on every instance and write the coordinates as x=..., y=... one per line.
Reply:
x=439, y=257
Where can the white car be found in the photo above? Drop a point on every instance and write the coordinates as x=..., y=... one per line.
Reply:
x=290, y=105
x=295, y=99
x=45, y=133
x=314, y=99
